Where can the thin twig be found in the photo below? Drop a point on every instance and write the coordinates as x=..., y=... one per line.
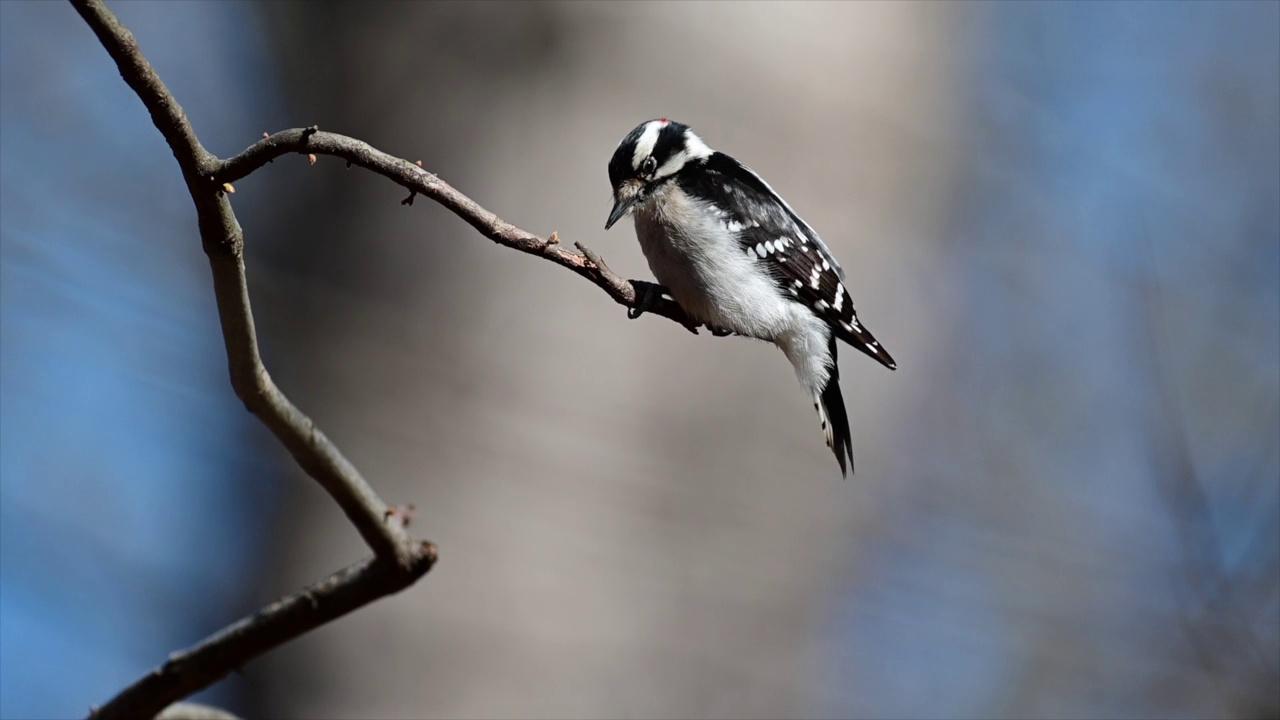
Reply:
x=312, y=141
x=166, y=113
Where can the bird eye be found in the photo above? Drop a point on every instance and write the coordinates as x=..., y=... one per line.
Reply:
x=649, y=166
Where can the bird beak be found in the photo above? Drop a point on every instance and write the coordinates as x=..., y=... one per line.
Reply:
x=626, y=196
x=620, y=208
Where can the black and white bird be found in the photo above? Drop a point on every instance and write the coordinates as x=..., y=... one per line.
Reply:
x=737, y=258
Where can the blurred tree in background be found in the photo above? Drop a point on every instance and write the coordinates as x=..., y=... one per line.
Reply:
x=1062, y=219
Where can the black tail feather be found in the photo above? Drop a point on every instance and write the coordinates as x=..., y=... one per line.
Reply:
x=839, y=437
x=861, y=338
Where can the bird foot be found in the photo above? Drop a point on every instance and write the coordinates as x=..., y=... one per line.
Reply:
x=647, y=294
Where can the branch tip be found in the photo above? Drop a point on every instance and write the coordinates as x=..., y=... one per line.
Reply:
x=596, y=261
x=311, y=158
x=409, y=200
x=403, y=513
x=430, y=552
x=228, y=188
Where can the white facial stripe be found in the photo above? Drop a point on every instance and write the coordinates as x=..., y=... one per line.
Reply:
x=694, y=149
x=671, y=166
x=644, y=146
x=694, y=146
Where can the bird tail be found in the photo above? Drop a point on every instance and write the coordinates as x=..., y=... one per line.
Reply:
x=854, y=333
x=835, y=421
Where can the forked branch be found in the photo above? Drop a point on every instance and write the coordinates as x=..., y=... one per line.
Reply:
x=398, y=559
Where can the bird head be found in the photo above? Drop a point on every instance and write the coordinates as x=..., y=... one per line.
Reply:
x=652, y=153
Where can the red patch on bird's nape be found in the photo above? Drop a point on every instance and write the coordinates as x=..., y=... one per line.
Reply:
x=664, y=121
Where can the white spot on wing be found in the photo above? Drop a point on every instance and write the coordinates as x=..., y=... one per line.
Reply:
x=813, y=278
x=839, y=299
x=793, y=214
x=761, y=251
x=821, y=305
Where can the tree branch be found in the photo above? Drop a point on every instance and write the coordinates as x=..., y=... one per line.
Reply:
x=137, y=72
x=223, y=242
x=398, y=559
x=313, y=141
x=212, y=659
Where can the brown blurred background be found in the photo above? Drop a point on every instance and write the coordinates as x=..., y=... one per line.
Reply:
x=1063, y=220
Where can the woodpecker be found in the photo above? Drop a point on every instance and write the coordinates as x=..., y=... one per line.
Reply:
x=736, y=258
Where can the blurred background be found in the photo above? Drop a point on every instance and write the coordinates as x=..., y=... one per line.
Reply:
x=1062, y=219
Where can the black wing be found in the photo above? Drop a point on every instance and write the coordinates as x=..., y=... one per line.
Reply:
x=769, y=231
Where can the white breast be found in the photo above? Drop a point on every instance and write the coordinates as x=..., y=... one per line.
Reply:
x=697, y=257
